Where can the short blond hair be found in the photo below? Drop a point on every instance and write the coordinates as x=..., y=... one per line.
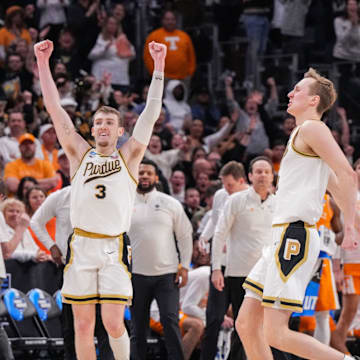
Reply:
x=110, y=110
x=11, y=202
x=322, y=87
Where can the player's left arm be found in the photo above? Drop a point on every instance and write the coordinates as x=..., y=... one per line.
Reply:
x=134, y=149
x=336, y=224
x=342, y=181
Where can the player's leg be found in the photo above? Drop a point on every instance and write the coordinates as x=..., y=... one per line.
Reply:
x=278, y=335
x=349, y=308
x=193, y=329
x=249, y=326
x=84, y=325
x=105, y=351
x=115, y=291
x=113, y=319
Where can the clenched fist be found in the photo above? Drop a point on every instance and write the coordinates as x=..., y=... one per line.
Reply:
x=43, y=50
x=158, y=53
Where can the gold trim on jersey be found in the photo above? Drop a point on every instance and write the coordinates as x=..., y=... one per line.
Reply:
x=286, y=277
x=131, y=175
x=121, y=248
x=82, y=159
x=287, y=224
x=92, y=235
x=66, y=268
x=298, y=151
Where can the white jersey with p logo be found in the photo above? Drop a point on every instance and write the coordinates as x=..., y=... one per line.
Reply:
x=102, y=194
x=302, y=183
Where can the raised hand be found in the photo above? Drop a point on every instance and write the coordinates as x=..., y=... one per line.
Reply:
x=257, y=96
x=24, y=221
x=271, y=81
x=228, y=80
x=43, y=50
x=158, y=53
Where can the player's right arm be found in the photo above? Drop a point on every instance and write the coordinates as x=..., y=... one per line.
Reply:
x=336, y=223
x=72, y=143
x=343, y=179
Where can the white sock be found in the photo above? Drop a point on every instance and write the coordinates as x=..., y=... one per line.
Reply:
x=120, y=346
x=322, y=330
x=348, y=357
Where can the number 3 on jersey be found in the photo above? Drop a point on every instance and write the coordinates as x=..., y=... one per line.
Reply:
x=101, y=191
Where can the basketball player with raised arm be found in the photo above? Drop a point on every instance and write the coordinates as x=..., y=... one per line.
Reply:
x=276, y=285
x=104, y=182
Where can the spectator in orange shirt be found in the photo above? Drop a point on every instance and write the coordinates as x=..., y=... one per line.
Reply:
x=180, y=58
x=29, y=165
x=13, y=30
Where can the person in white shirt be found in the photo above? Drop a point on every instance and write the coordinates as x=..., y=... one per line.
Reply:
x=106, y=55
x=233, y=178
x=20, y=244
x=57, y=205
x=244, y=228
x=165, y=160
x=159, y=226
x=5, y=348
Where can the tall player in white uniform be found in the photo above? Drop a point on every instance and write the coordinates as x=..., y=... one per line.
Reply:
x=276, y=285
x=102, y=195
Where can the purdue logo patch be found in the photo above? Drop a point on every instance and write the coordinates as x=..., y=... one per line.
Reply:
x=293, y=249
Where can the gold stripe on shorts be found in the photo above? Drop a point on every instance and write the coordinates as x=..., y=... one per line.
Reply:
x=253, y=286
x=80, y=299
x=114, y=299
x=294, y=305
x=286, y=224
x=66, y=268
x=92, y=235
x=121, y=249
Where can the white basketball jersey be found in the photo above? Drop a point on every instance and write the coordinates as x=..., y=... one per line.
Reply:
x=102, y=194
x=302, y=183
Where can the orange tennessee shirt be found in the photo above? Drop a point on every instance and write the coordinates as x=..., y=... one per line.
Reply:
x=7, y=37
x=180, y=59
x=327, y=214
x=41, y=169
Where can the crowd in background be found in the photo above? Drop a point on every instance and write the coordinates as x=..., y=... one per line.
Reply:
x=199, y=129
